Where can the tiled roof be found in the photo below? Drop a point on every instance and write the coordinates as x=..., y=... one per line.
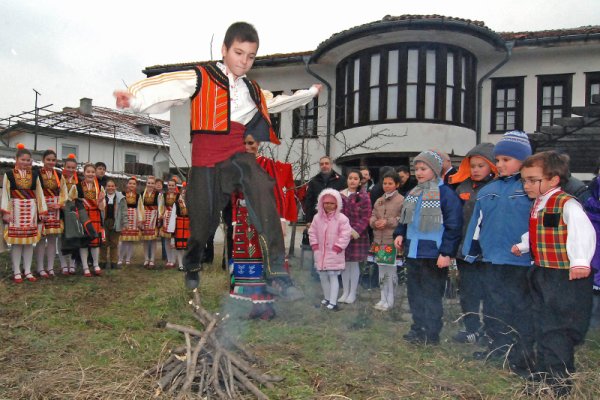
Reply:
x=553, y=33
x=283, y=58
x=103, y=122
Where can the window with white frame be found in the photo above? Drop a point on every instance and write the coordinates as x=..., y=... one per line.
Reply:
x=406, y=82
x=554, y=98
x=507, y=104
x=131, y=158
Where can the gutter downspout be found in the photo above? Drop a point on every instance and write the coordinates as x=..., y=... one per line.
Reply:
x=307, y=60
x=508, y=47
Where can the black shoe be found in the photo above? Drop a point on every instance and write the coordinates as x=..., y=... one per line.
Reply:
x=466, y=337
x=332, y=307
x=523, y=372
x=283, y=286
x=415, y=336
x=192, y=279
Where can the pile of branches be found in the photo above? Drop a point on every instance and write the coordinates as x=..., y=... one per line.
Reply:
x=210, y=365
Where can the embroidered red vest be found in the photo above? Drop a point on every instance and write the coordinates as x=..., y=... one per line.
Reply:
x=210, y=111
x=548, y=234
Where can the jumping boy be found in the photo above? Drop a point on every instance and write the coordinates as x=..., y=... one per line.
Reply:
x=498, y=221
x=562, y=241
x=225, y=106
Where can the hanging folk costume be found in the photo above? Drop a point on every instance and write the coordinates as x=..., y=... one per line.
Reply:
x=22, y=204
x=246, y=266
x=224, y=108
x=52, y=223
x=130, y=233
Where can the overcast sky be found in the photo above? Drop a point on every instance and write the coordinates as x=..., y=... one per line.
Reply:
x=68, y=49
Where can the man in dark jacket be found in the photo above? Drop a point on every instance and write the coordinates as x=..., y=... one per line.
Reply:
x=327, y=178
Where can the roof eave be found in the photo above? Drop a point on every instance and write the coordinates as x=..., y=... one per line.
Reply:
x=390, y=26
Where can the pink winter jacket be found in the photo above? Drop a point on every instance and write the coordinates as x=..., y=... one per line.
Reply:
x=325, y=232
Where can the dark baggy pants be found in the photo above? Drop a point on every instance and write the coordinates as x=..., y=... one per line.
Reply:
x=209, y=190
x=562, y=310
x=510, y=312
x=471, y=289
x=425, y=287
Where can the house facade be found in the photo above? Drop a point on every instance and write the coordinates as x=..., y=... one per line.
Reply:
x=127, y=143
x=403, y=84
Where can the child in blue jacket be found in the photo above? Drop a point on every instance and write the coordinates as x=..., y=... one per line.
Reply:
x=429, y=230
x=499, y=219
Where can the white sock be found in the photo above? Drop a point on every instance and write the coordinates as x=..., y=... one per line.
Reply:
x=95, y=256
x=51, y=252
x=334, y=289
x=40, y=252
x=16, y=251
x=354, y=275
x=325, y=284
x=83, y=254
x=27, y=258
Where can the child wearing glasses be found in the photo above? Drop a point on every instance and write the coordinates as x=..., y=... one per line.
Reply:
x=499, y=219
x=329, y=234
x=562, y=242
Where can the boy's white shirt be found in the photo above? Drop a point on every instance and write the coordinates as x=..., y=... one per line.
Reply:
x=581, y=235
x=157, y=94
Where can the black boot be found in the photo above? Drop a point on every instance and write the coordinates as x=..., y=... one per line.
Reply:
x=192, y=279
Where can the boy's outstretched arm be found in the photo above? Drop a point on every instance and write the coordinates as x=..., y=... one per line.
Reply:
x=157, y=94
x=286, y=102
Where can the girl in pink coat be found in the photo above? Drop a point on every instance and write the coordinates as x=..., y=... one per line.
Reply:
x=329, y=235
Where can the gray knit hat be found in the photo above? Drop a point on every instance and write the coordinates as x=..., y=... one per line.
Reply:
x=432, y=159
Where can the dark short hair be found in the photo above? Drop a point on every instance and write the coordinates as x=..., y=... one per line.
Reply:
x=242, y=32
x=100, y=164
x=47, y=153
x=392, y=175
x=551, y=163
x=403, y=168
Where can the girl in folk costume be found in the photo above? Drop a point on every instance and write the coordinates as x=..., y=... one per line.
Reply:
x=21, y=204
x=179, y=227
x=68, y=181
x=169, y=206
x=93, y=197
x=151, y=206
x=384, y=219
x=130, y=233
x=329, y=234
x=115, y=219
x=247, y=268
x=357, y=207
x=52, y=224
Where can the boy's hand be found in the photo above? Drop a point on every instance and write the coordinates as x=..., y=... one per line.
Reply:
x=515, y=250
x=123, y=98
x=579, y=273
x=398, y=242
x=319, y=87
x=443, y=261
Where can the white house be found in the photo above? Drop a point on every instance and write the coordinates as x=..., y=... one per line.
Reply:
x=403, y=84
x=125, y=142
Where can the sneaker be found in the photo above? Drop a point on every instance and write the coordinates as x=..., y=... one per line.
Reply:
x=466, y=337
x=332, y=307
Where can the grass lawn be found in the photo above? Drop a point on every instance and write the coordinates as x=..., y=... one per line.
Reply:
x=92, y=338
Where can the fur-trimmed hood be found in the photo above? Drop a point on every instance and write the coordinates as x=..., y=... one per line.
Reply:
x=336, y=195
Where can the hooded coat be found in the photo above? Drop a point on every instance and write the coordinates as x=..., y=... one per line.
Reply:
x=327, y=232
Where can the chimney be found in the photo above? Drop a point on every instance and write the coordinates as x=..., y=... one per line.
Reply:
x=85, y=106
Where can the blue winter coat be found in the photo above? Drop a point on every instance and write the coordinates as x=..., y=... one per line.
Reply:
x=444, y=241
x=502, y=215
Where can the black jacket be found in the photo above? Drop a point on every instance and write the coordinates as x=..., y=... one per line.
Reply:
x=316, y=186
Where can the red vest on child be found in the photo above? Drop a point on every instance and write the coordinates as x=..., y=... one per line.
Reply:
x=548, y=233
